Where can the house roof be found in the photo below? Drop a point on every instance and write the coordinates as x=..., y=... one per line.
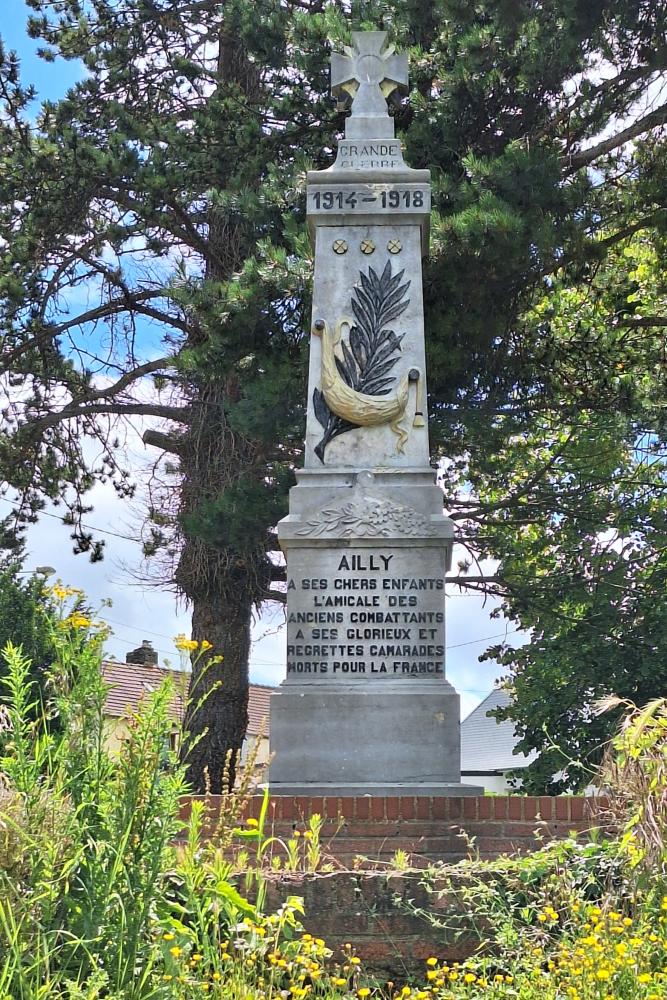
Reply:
x=128, y=682
x=259, y=708
x=487, y=745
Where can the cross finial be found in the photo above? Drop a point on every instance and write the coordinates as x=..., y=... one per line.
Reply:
x=369, y=71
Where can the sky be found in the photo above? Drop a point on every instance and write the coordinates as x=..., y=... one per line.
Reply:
x=142, y=612
x=50, y=79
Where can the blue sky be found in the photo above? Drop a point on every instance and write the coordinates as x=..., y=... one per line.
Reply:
x=139, y=611
x=50, y=79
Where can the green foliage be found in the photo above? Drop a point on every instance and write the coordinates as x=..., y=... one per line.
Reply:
x=24, y=600
x=635, y=771
x=239, y=517
x=583, y=543
x=586, y=920
x=96, y=897
x=91, y=833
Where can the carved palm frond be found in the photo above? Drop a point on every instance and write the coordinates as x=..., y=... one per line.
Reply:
x=371, y=353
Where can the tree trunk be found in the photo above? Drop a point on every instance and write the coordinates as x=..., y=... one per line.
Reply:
x=222, y=576
x=217, y=715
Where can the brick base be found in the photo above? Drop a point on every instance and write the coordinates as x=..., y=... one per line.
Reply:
x=363, y=906
x=429, y=828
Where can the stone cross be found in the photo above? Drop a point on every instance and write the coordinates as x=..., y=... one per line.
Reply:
x=369, y=72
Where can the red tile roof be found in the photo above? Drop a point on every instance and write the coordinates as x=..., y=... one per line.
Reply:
x=129, y=681
x=259, y=713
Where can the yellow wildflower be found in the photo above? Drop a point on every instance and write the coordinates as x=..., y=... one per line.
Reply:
x=77, y=620
x=187, y=645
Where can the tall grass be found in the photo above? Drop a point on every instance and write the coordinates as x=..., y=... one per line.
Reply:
x=87, y=835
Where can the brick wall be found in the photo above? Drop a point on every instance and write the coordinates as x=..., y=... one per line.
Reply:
x=361, y=903
x=428, y=828
x=365, y=909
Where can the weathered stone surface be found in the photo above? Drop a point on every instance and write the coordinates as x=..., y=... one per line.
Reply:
x=376, y=737
x=365, y=706
x=341, y=300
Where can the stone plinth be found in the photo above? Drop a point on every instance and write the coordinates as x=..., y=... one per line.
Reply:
x=365, y=707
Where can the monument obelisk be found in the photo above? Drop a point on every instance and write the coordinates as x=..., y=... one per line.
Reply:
x=365, y=707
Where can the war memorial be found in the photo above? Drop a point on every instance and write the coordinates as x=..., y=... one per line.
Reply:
x=365, y=707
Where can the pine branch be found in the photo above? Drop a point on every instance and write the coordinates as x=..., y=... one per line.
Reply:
x=118, y=408
x=87, y=405
x=635, y=227
x=111, y=308
x=274, y=595
x=615, y=87
x=643, y=321
x=575, y=161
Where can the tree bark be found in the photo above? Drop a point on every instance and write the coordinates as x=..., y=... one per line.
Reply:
x=217, y=713
x=222, y=582
x=222, y=577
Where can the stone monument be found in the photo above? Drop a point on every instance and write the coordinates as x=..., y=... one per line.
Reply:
x=365, y=707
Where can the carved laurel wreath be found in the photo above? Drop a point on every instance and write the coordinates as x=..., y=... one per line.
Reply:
x=367, y=361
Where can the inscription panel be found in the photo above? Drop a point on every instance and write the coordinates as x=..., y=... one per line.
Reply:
x=368, y=199
x=366, y=154
x=362, y=613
